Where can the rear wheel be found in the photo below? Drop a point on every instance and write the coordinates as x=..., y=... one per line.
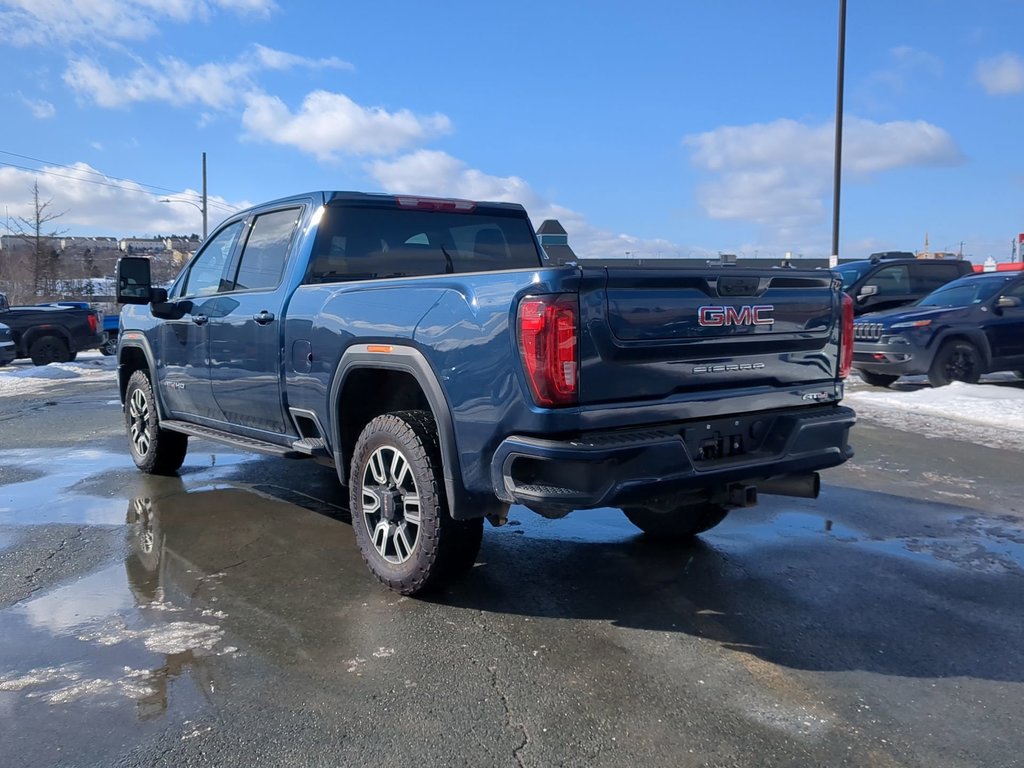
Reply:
x=109, y=347
x=955, y=361
x=399, y=514
x=876, y=379
x=679, y=524
x=154, y=450
x=49, y=349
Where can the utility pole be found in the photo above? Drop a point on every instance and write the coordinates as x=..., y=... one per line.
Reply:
x=834, y=258
x=204, y=191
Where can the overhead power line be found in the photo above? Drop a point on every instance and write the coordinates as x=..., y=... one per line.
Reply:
x=106, y=180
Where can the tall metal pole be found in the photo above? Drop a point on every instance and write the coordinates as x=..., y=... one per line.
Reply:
x=204, y=192
x=834, y=258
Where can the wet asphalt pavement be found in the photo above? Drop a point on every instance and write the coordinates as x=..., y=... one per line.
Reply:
x=224, y=617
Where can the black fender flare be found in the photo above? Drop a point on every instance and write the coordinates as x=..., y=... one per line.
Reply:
x=35, y=331
x=462, y=504
x=138, y=340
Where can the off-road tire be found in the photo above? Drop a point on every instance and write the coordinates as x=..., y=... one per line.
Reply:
x=442, y=547
x=876, y=379
x=955, y=361
x=154, y=450
x=680, y=524
x=49, y=349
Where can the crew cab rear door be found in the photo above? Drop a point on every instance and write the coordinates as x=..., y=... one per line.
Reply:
x=246, y=321
x=658, y=333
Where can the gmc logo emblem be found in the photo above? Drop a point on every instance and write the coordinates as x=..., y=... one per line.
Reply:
x=757, y=314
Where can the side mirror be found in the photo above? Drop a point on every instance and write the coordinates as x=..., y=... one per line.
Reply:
x=134, y=284
x=4, y=306
x=1008, y=302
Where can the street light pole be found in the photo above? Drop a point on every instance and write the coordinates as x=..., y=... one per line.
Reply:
x=834, y=258
x=204, y=191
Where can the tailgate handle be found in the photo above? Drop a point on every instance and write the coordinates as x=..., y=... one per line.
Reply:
x=734, y=285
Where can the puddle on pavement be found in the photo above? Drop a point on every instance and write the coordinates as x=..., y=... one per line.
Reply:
x=976, y=543
x=102, y=643
x=209, y=568
x=84, y=487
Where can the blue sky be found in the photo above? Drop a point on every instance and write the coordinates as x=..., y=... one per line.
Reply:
x=671, y=128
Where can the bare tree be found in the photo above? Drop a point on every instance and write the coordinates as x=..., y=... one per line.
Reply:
x=35, y=232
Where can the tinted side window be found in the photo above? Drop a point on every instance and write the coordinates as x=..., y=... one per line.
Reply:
x=891, y=281
x=206, y=273
x=266, y=250
x=925, y=278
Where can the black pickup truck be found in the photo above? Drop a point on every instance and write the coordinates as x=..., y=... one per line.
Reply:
x=51, y=334
x=429, y=352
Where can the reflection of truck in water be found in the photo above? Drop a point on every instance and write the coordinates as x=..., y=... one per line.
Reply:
x=427, y=350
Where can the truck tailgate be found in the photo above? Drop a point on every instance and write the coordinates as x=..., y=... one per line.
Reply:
x=651, y=334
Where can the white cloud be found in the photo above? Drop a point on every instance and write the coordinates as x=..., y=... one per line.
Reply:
x=1002, y=75
x=328, y=124
x=214, y=85
x=40, y=108
x=779, y=174
x=430, y=172
x=111, y=207
x=35, y=22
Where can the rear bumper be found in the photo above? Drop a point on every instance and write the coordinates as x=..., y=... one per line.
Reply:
x=627, y=466
x=91, y=342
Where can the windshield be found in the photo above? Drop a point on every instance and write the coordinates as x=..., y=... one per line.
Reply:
x=852, y=273
x=962, y=293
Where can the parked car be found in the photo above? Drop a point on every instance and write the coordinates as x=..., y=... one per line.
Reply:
x=51, y=334
x=895, y=279
x=7, y=353
x=429, y=352
x=110, y=323
x=968, y=327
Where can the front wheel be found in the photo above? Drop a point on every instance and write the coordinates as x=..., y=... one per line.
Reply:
x=876, y=379
x=399, y=515
x=680, y=524
x=154, y=450
x=955, y=361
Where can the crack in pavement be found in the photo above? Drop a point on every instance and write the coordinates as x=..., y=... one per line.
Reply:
x=503, y=697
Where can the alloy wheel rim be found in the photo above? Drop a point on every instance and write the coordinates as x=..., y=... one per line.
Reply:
x=138, y=414
x=391, y=505
x=960, y=366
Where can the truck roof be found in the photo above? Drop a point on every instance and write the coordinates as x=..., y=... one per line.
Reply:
x=347, y=197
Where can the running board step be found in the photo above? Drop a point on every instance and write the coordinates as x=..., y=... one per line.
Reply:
x=312, y=446
x=245, y=443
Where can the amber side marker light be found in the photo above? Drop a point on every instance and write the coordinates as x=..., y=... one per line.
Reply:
x=379, y=348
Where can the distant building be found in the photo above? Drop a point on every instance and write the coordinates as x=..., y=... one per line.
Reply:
x=555, y=241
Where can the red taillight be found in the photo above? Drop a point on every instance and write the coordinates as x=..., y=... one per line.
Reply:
x=846, y=338
x=93, y=323
x=547, y=346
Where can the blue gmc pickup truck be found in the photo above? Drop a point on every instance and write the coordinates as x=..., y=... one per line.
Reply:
x=428, y=351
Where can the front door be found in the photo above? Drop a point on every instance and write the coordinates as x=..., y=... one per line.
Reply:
x=183, y=371
x=1006, y=332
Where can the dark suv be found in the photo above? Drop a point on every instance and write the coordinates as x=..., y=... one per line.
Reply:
x=894, y=279
x=971, y=326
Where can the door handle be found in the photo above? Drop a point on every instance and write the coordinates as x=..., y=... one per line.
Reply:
x=200, y=319
x=263, y=317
